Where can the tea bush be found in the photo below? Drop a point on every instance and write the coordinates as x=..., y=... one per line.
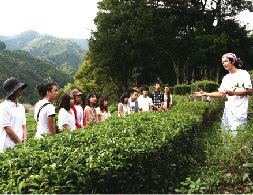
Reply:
x=140, y=153
x=207, y=86
x=182, y=89
x=225, y=163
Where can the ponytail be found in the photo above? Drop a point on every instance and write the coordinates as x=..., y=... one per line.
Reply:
x=43, y=88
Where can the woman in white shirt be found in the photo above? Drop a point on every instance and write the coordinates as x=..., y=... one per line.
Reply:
x=167, y=98
x=123, y=107
x=66, y=116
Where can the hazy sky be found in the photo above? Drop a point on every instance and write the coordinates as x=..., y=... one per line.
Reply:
x=61, y=18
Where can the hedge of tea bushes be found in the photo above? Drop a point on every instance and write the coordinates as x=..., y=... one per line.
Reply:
x=140, y=153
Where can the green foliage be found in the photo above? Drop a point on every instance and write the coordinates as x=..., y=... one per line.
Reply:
x=138, y=41
x=192, y=187
x=225, y=163
x=29, y=70
x=139, y=153
x=207, y=86
x=182, y=89
x=234, y=157
x=2, y=45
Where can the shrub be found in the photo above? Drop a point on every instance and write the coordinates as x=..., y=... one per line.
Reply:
x=207, y=86
x=182, y=89
x=140, y=153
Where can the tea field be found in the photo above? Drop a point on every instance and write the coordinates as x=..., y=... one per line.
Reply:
x=180, y=151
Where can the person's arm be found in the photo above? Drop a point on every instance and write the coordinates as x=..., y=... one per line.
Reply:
x=98, y=118
x=170, y=103
x=162, y=106
x=89, y=116
x=24, y=133
x=239, y=93
x=65, y=126
x=120, y=110
x=217, y=94
x=50, y=123
x=12, y=135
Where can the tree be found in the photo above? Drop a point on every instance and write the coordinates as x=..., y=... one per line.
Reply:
x=2, y=45
x=175, y=41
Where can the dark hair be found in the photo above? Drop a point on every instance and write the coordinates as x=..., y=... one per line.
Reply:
x=87, y=100
x=144, y=88
x=133, y=86
x=123, y=96
x=132, y=91
x=42, y=89
x=238, y=63
x=65, y=101
x=101, y=103
x=168, y=100
x=157, y=82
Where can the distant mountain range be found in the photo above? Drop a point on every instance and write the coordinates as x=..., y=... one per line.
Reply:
x=65, y=54
x=30, y=70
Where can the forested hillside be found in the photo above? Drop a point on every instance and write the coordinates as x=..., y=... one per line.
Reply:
x=64, y=54
x=29, y=70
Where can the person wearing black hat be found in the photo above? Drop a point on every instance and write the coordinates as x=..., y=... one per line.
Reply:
x=12, y=115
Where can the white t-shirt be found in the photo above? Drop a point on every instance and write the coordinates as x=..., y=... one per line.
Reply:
x=79, y=113
x=237, y=104
x=48, y=110
x=66, y=118
x=12, y=115
x=124, y=109
x=132, y=106
x=145, y=103
x=165, y=101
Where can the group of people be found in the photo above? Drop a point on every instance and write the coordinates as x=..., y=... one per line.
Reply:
x=156, y=101
x=236, y=86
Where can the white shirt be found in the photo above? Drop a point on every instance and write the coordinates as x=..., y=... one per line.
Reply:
x=12, y=115
x=79, y=113
x=124, y=109
x=42, y=125
x=132, y=106
x=145, y=103
x=165, y=101
x=237, y=104
x=66, y=118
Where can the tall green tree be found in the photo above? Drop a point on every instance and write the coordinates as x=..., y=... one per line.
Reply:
x=175, y=41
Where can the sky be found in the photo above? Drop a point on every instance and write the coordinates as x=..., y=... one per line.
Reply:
x=60, y=18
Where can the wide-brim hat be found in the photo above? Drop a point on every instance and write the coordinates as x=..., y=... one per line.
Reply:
x=11, y=85
x=75, y=92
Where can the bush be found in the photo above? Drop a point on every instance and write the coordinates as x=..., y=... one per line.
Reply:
x=140, y=153
x=207, y=86
x=182, y=89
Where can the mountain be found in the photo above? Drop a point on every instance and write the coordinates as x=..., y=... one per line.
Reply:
x=29, y=70
x=84, y=43
x=62, y=53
